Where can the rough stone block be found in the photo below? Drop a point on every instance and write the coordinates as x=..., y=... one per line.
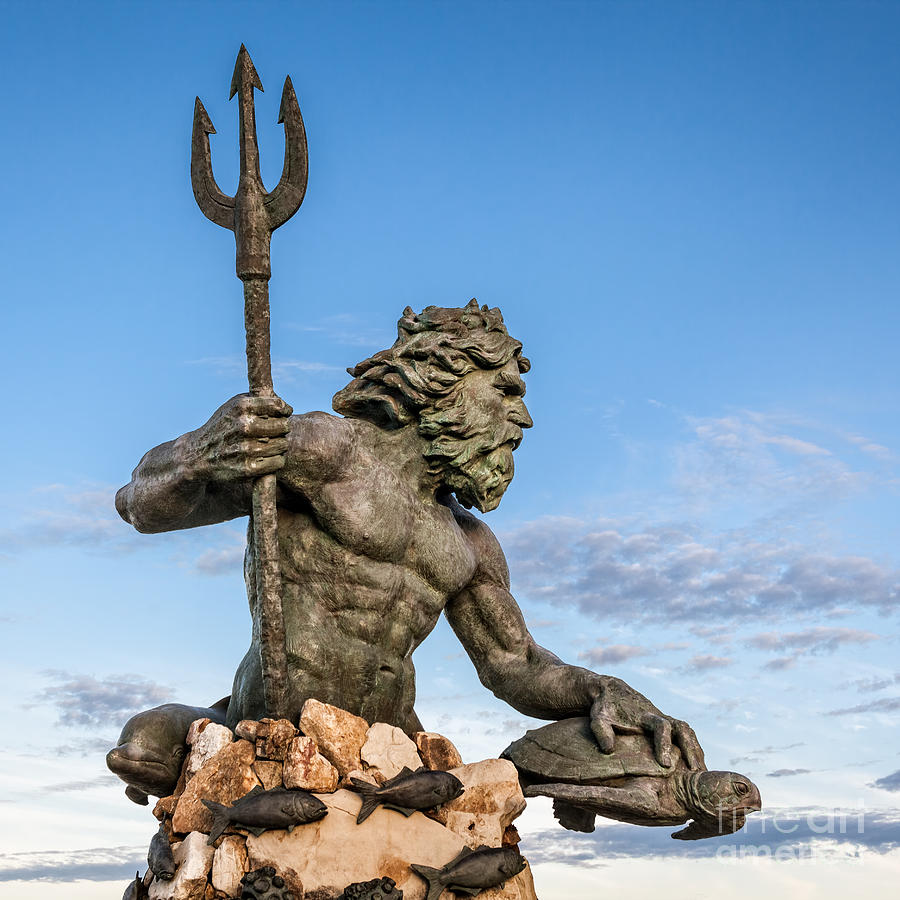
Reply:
x=273, y=737
x=305, y=767
x=436, y=751
x=224, y=779
x=247, y=729
x=320, y=859
x=205, y=745
x=388, y=750
x=269, y=772
x=338, y=734
x=229, y=865
x=491, y=800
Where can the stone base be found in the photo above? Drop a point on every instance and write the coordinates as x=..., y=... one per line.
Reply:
x=320, y=859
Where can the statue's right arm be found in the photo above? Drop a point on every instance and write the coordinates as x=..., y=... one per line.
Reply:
x=206, y=476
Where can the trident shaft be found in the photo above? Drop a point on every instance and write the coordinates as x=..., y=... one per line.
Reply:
x=253, y=214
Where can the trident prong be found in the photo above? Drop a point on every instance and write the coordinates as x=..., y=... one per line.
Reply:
x=253, y=214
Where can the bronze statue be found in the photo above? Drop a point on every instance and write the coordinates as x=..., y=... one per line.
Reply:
x=374, y=536
x=563, y=761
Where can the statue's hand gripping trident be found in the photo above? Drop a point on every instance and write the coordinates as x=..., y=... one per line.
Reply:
x=253, y=214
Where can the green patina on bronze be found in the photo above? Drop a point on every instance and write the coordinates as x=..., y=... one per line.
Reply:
x=375, y=537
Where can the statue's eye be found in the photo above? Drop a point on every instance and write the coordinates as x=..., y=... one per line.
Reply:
x=742, y=787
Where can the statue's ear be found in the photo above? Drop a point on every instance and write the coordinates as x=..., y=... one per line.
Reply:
x=706, y=828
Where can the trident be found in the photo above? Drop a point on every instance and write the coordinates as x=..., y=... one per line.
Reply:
x=253, y=214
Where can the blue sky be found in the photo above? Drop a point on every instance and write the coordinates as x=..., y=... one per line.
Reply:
x=687, y=213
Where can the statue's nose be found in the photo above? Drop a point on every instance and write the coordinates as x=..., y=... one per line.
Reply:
x=518, y=415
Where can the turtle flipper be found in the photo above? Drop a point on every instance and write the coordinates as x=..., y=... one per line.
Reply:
x=604, y=801
x=573, y=817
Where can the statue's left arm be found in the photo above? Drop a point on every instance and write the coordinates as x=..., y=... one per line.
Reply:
x=509, y=662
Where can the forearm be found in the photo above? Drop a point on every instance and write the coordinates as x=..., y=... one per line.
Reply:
x=537, y=683
x=511, y=664
x=166, y=489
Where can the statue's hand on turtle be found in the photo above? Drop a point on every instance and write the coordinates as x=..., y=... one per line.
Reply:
x=617, y=707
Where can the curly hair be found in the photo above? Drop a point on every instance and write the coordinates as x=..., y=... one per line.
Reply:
x=433, y=351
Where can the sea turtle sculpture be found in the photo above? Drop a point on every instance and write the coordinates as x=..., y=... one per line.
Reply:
x=562, y=761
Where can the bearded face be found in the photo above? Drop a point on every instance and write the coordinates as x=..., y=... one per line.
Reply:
x=474, y=432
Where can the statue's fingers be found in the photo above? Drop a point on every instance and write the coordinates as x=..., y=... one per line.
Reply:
x=264, y=427
x=690, y=747
x=661, y=730
x=265, y=406
x=602, y=728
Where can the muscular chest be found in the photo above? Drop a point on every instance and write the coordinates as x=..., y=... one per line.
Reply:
x=377, y=519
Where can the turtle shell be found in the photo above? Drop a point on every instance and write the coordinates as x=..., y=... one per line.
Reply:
x=567, y=752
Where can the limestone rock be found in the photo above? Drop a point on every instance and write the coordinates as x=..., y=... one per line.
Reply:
x=225, y=778
x=194, y=859
x=247, y=729
x=305, y=767
x=511, y=836
x=165, y=806
x=338, y=734
x=273, y=737
x=229, y=865
x=388, y=750
x=491, y=800
x=372, y=776
x=195, y=730
x=323, y=857
x=436, y=751
x=205, y=745
x=269, y=772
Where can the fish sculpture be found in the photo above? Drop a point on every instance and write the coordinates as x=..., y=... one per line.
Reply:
x=472, y=871
x=160, y=858
x=261, y=810
x=407, y=792
x=135, y=889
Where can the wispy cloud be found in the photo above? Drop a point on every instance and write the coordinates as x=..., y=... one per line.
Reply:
x=750, y=454
x=882, y=704
x=614, y=653
x=794, y=833
x=788, y=773
x=614, y=571
x=755, y=755
x=348, y=329
x=282, y=369
x=871, y=685
x=97, y=864
x=63, y=515
x=70, y=787
x=811, y=641
x=82, y=700
x=889, y=782
x=705, y=662
x=220, y=561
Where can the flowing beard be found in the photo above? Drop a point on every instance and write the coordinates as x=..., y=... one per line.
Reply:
x=481, y=480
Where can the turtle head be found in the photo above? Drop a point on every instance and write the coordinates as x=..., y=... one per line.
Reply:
x=720, y=801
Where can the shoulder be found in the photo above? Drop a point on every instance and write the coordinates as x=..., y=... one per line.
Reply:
x=321, y=444
x=491, y=562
